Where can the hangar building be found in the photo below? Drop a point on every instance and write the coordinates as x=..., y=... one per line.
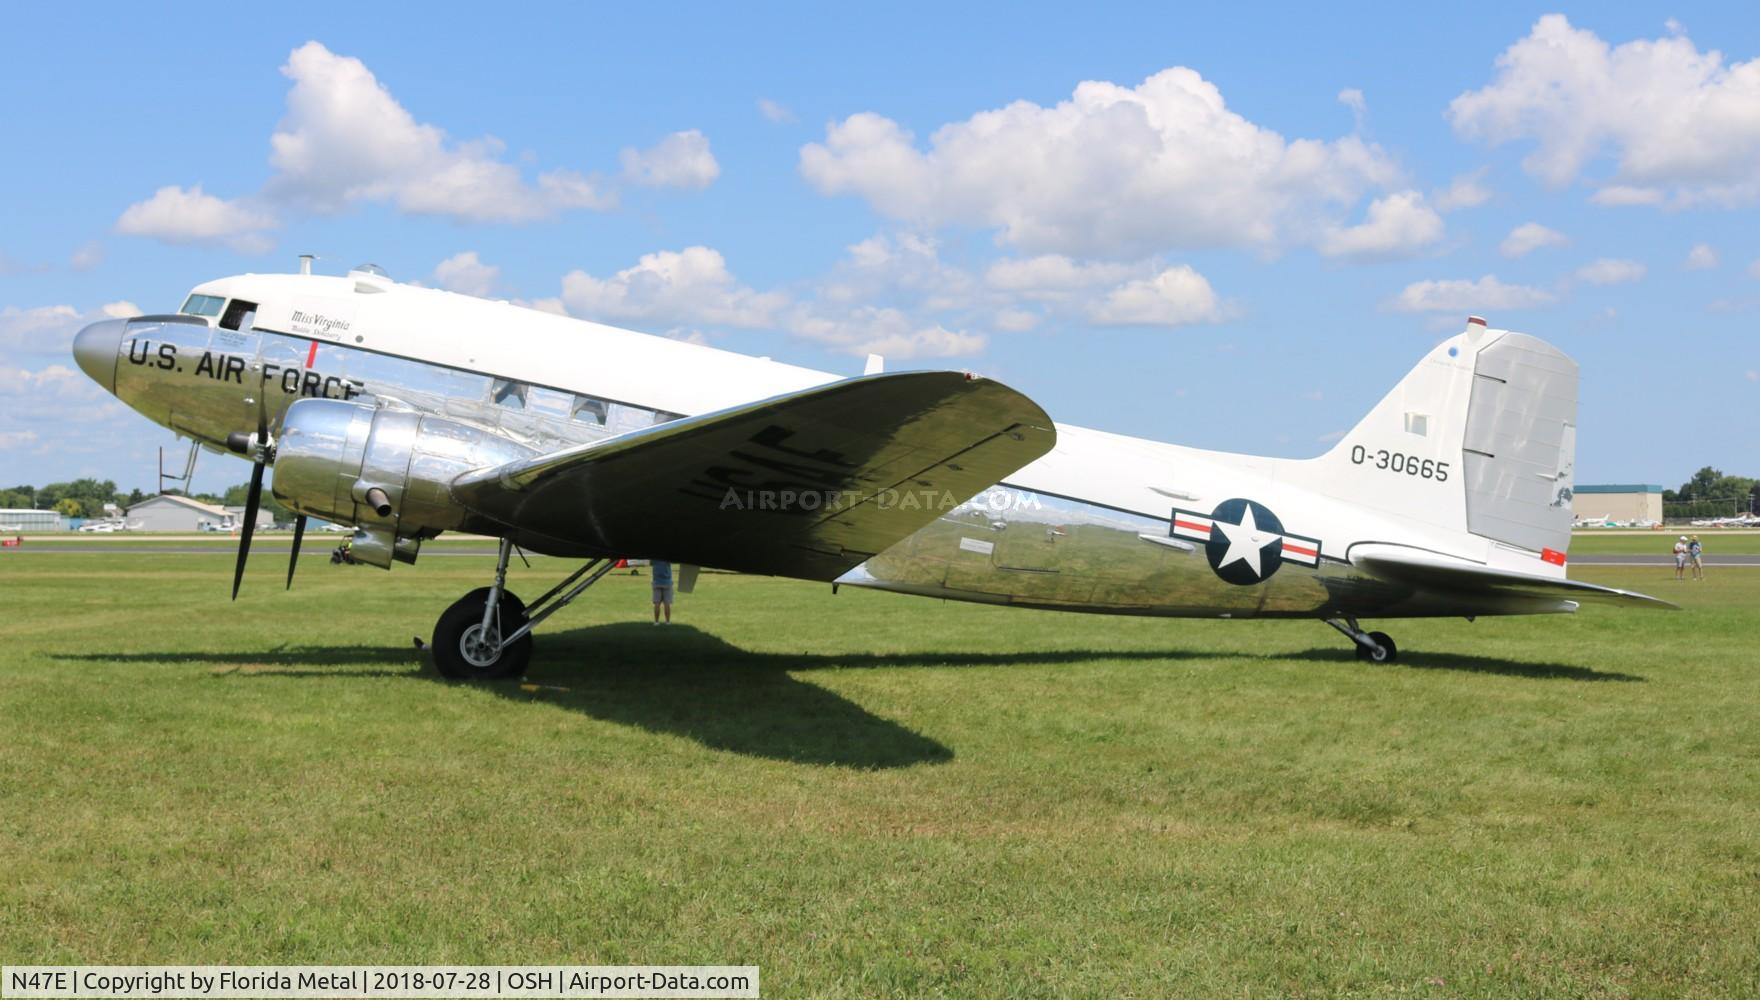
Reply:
x=16, y=519
x=166, y=512
x=1619, y=502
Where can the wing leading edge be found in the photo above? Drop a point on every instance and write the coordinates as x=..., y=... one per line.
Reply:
x=1433, y=571
x=807, y=484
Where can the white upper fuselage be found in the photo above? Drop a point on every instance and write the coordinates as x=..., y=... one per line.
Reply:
x=543, y=349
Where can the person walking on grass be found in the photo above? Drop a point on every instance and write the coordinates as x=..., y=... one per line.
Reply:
x=661, y=573
x=1680, y=558
x=1695, y=557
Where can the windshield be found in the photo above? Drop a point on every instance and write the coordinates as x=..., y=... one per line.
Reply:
x=203, y=305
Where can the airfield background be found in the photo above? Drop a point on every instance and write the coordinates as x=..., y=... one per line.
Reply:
x=167, y=512
x=1619, y=502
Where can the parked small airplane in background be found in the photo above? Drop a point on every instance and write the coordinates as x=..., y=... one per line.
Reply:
x=1743, y=520
x=409, y=411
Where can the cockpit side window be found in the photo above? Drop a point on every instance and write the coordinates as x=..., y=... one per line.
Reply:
x=239, y=315
x=203, y=305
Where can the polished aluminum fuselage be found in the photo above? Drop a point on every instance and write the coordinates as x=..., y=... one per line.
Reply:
x=1014, y=544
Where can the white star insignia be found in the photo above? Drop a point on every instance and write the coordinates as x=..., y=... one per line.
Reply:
x=1244, y=541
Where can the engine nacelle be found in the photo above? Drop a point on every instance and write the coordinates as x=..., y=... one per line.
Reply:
x=388, y=471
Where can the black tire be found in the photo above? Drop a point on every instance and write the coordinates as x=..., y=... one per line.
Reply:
x=1388, y=653
x=464, y=617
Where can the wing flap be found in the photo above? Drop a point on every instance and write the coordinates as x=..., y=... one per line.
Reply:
x=806, y=484
x=1432, y=570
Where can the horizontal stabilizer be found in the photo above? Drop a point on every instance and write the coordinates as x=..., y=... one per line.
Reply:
x=1433, y=571
x=806, y=484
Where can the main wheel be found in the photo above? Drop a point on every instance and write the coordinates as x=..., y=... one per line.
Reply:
x=464, y=652
x=1387, y=654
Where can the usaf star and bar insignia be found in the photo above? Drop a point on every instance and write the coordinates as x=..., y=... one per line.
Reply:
x=1244, y=541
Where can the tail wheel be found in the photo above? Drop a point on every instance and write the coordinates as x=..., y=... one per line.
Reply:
x=1387, y=652
x=464, y=651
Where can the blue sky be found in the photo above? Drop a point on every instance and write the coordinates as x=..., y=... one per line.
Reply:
x=1233, y=229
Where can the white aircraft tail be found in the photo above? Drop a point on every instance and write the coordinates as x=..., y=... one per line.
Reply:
x=1480, y=437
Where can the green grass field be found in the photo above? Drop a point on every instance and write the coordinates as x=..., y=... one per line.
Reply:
x=869, y=794
x=1659, y=543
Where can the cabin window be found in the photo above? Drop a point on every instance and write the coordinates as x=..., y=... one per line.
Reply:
x=549, y=403
x=589, y=410
x=239, y=315
x=203, y=305
x=509, y=394
x=662, y=417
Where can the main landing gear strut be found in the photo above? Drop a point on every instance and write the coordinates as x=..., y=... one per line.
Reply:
x=1376, y=647
x=487, y=634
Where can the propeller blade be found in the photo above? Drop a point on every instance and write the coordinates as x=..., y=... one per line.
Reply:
x=251, y=501
x=299, y=532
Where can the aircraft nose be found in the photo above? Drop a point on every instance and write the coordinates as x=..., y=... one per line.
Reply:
x=95, y=349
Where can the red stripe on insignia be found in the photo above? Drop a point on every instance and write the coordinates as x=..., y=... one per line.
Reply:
x=312, y=355
x=1300, y=550
x=1191, y=525
x=1552, y=556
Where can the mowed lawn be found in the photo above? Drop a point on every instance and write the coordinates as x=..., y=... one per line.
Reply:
x=868, y=794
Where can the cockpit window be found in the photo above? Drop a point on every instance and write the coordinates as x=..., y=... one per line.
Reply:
x=239, y=315
x=203, y=305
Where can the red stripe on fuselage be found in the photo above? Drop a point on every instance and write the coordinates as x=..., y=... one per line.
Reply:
x=1300, y=550
x=1191, y=525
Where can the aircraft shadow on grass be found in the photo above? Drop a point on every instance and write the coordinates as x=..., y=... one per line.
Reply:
x=1469, y=663
x=682, y=680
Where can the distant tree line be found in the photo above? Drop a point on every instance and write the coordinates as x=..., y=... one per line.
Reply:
x=87, y=497
x=1710, y=493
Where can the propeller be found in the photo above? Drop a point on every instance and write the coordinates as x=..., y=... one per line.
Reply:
x=299, y=532
x=260, y=446
x=252, y=501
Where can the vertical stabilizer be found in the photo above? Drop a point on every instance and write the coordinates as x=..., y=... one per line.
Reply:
x=1480, y=437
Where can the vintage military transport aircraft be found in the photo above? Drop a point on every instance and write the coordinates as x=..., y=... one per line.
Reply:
x=408, y=411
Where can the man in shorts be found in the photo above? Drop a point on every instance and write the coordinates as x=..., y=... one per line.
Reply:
x=661, y=572
x=1696, y=557
x=1680, y=559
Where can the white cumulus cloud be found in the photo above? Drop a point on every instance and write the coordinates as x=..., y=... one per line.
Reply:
x=1609, y=271
x=87, y=257
x=672, y=288
x=1115, y=171
x=1175, y=297
x=775, y=112
x=345, y=139
x=192, y=216
x=681, y=160
x=886, y=331
x=1701, y=257
x=1398, y=225
x=1621, y=195
x=49, y=330
x=1680, y=124
x=1465, y=191
x=1467, y=296
x=1054, y=276
x=1529, y=237
x=464, y=272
